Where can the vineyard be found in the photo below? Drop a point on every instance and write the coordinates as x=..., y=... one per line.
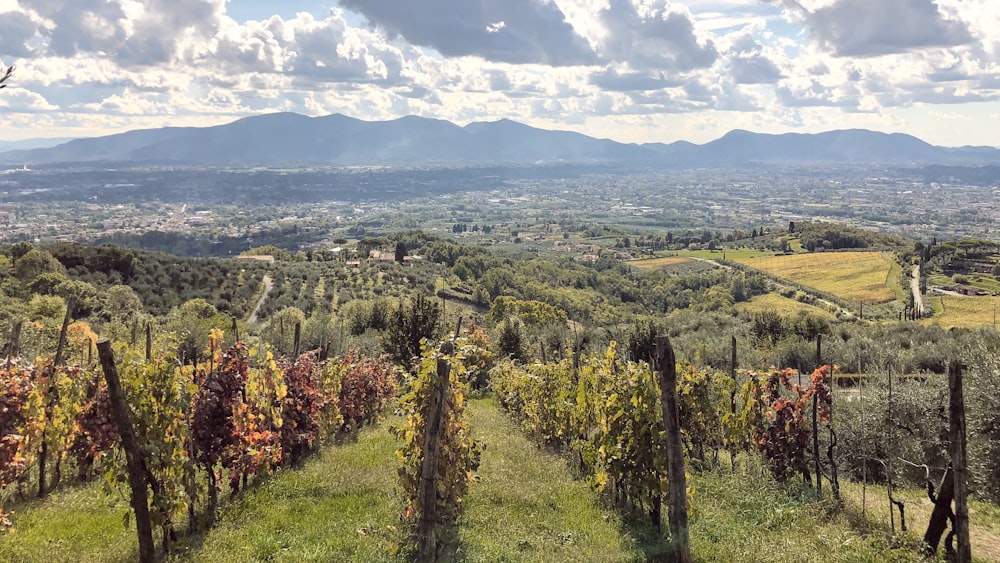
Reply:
x=436, y=435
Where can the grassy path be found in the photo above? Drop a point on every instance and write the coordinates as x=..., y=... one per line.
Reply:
x=526, y=505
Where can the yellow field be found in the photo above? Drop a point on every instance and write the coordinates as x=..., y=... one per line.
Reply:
x=853, y=276
x=658, y=263
x=966, y=311
x=781, y=305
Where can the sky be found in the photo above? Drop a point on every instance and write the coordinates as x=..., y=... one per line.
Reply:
x=630, y=70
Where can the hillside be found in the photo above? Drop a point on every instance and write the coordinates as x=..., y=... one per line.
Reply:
x=288, y=138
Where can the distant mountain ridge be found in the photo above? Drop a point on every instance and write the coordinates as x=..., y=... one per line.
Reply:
x=289, y=138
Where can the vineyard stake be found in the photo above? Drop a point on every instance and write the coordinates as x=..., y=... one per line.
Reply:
x=427, y=526
x=815, y=423
x=956, y=419
x=133, y=454
x=666, y=364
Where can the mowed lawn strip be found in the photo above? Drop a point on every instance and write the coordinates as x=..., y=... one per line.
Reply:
x=853, y=276
x=344, y=504
x=526, y=505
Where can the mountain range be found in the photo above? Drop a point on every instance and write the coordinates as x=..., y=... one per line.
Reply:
x=288, y=138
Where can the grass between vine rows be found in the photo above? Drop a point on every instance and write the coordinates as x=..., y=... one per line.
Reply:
x=343, y=505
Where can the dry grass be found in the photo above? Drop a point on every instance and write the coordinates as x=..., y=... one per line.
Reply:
x=966, y=311
x=781, y=305
x=984, y=527
x=660, y=263
x=853, y=276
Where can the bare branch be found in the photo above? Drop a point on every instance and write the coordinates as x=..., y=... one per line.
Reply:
x=5, y=74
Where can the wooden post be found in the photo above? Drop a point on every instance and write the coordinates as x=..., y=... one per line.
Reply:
x=298, y=336
x=133, y=454
x=815, y=423
x=15, y=339
x=732, y=373
x=427, y=490
x=149, y=341
x=956, y=418
x=666, y=364
x=61, y=346
x=236, y=331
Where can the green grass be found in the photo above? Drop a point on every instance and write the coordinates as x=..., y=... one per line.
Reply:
x=748, y=517
x=342, y=505
x=72, y=524
x=526, y=506
x=898, y=280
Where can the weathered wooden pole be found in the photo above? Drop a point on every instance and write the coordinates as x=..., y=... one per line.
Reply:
x=427, y=548
x=149, y=341
x=236, y=331
x=666, y=365
x=61, y=345
x=133, y=454
x=956, y=418
x=298, y=337
x=815, y=422
x=15, y=339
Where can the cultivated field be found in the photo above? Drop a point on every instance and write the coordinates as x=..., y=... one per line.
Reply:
x=853, y=276
x=660, y=263
x=781, y=305
x=970, y=312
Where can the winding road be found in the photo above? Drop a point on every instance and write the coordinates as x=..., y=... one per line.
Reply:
x=918, y=301
x=268, y=285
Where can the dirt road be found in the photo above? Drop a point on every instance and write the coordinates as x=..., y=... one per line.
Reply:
x=268, y=285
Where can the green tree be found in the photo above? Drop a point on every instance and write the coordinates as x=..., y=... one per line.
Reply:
x=120, y=302
x=4, y=75
x=411, y=323
x=35, y=263
x=510, y=339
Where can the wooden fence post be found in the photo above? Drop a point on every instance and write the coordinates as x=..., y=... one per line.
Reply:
x=956, y=418
x=149, y=341
x=666, y=364
x=815, y=423
x=61, y=345
x=15, y=338
x=298, y=337
x=133, y=454
x=427, y=526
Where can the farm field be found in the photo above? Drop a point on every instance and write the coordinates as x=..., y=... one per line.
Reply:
x=779, y=304
x=853, y=276
x=731, y=254
x=660, y=263
x=952, y=310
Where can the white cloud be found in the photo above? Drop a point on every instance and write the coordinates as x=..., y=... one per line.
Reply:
x=23, y=100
